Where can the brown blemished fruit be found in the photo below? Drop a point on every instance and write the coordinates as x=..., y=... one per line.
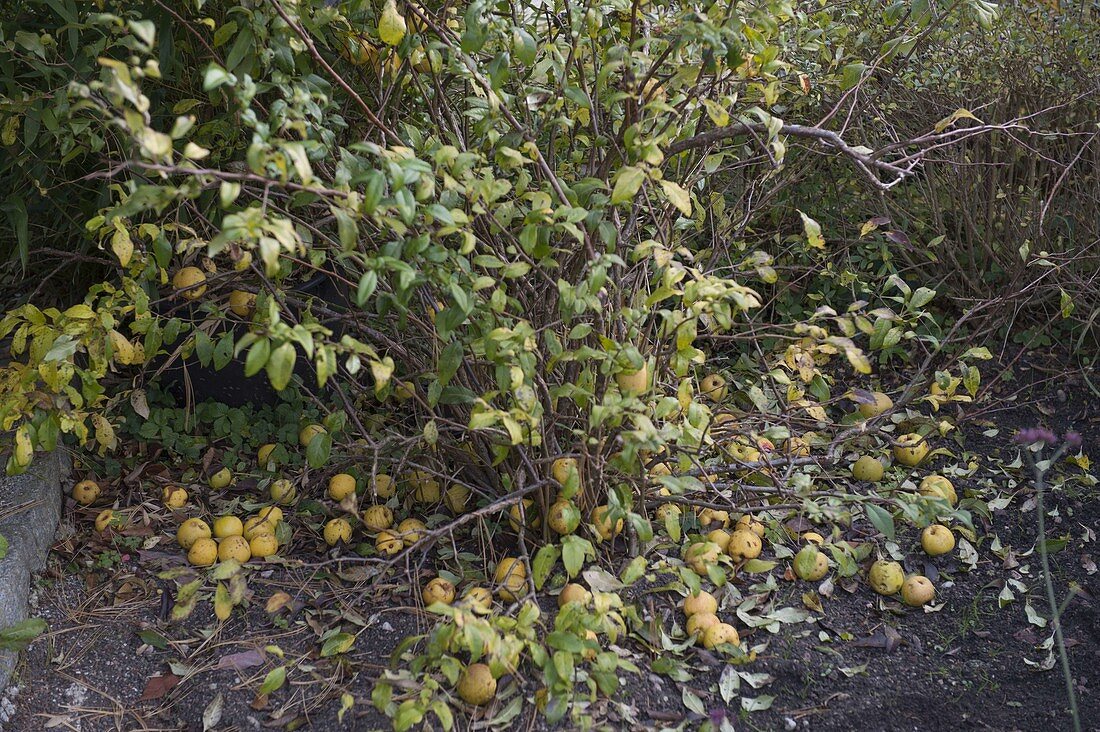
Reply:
x=796, y=447
x=563, y=517
x=744, y=545
x=937, y=486
x=174, y=496
x=242, y=303
x=510, y=577
x=704, y=603
x=751, y=524
x=234, y=547
x=573, y=592
x=191, y=278
x=937, y=540
x=388, y=543
x=283, y=491
x=337, y=530
x=698, y=623
x=256, y=525
x=378, y=518
x=562, y=468
x=340, y=486
x=476, y=685
x=221, y=479
x=882, y=403
x=885, y=577
x=307, y=433
x=191, y=531
x=708, y=517
x=104, y=520
x=86, y=492
x=917, y=591
x=601, y=519
x=263, y=545
x=713, y=387
x=203, y=552
x=227, y=526
x=868, y=469
x=720, y=634
x=911, y=449
x=438, y=590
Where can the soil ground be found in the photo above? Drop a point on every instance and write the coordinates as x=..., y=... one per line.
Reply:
x=111, y=661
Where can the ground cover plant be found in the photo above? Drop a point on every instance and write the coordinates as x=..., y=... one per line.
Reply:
x=603, y=334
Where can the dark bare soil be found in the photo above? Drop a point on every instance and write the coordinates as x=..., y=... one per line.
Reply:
x=864, y=663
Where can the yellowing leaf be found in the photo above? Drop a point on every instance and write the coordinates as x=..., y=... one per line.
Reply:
x=391, y=26
x=677, y=196
x=813, y=232
x=1081, y=460
x=954, y=117
x=627, y=184
x=223, y=606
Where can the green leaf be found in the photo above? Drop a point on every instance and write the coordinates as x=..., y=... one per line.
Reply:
x=280, y=366
x=881, y=519
x=543, y=563
x=3, y=547
x=318, y=450
x=257, y=357
x=18, y=636
x=337, y=644
x=274, y=681
x=812, y=230
x=627, y=184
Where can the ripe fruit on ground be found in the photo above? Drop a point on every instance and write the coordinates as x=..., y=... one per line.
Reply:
x=797, y=447
x=227, y=526
x=867, y=469
x=660, y=470
x=191, y=531
x=810, y=564
x=410, y=530
x=174, y=496
x=701, y=555
x=203, y=553
x=476, y=685
x=387, y=543
x=885, y=577
x=721, y=537
x=698, y=623
x=748, y=522
x=426, y=489
x=263, y=545
x=742, y=451
x=515, y=518
x=378, y=518
x=882, y=403
x=713, y=387
x=633, y=382
x=937, y=486
x=917, y=590
x=812, y=537
x=510, y=577
x=234, y=547
x=704, y=603
x=720, y=634
x=573, y=592
x=562, y=468
x=438, y=590
x=710, y=516
x=667, y=509
x=383, y=486
x=307, y=433
x=937, y=539
x=456, y=498
x=337, y=530
x=282, y=491
x=564, y=517
x=264, y=458
x=86, y=492
x=911, y=449
x=340, y=486
x=478, y=599
x=190, y=277
x=242, y=303
x=601, y=519
x=744, y=545
x=221, y=479
x=105, y=518
x=257, y=525
x=271, y=514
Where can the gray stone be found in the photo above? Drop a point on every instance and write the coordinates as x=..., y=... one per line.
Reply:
x=30, y=507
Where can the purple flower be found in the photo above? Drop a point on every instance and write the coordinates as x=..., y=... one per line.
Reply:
x=1073, y=439
x=1031, y=435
